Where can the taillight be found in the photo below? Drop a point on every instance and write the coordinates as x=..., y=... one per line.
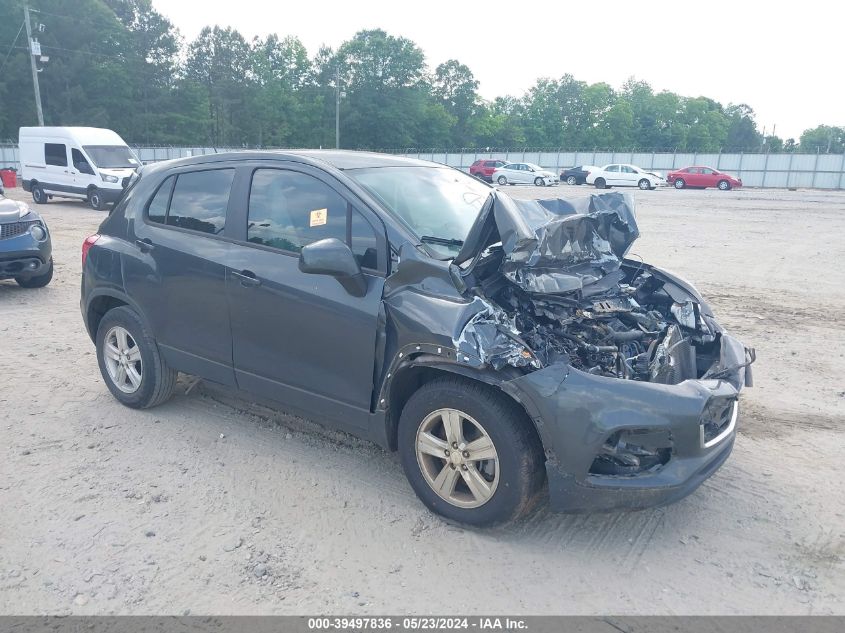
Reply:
x=87, y=244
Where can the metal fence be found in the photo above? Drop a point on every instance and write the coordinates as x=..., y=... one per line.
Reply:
x=820, y=171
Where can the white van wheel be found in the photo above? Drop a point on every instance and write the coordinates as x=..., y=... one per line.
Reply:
x=95, y=199
x=38, y=194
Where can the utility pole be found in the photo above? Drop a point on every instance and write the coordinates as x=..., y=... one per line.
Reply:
x=29, y=47
x=337, y=108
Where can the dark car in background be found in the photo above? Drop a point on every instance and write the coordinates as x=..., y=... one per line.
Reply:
x=701, y=178
x=25, y=248
x=484, y=167
x=496, y=344
x=577, y=175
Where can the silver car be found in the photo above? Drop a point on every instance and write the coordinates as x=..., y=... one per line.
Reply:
x=524, y=174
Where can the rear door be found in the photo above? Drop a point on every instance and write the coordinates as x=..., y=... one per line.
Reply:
x=612, y=175
x=299, y=338
x=179, y=279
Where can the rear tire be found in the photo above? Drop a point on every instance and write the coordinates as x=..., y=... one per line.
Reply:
x=571, y=180
x=724, y=185
x=157, y=380
x=482, y=414
x=39, y=281
x=680, y=184
x=601, y=183
x=38, y=195
x=502, y=180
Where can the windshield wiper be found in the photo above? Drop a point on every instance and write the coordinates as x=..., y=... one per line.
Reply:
x=442, y=241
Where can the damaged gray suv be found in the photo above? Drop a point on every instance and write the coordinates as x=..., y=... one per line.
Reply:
x=503, y=348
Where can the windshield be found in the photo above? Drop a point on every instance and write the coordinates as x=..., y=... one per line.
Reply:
x=111, y=156
x=434, y=202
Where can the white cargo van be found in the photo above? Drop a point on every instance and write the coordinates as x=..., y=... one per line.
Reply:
x=86, y=163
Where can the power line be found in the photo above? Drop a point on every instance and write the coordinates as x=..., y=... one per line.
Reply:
x=11, y=48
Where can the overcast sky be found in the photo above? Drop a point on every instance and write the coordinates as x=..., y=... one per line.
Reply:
x=784, y=59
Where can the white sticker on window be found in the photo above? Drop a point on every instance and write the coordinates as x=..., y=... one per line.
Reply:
x=319, y=217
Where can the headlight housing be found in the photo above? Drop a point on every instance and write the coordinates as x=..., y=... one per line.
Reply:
x=108, y=178
x=38, y=232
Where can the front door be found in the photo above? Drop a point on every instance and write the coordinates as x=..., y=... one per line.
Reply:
x=299, y=338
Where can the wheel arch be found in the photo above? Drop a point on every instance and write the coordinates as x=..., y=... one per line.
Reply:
x=100, y=302
x=410, y=376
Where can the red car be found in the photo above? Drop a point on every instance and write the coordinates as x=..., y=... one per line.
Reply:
x=701, y=178
x=484, y=167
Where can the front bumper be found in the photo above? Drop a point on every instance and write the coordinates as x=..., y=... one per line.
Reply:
x=577, y=413
x=24, y=256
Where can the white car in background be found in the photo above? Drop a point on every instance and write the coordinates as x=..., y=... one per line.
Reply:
x=621, y=175
x=524, y=174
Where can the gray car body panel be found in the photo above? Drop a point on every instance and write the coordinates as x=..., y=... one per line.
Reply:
x=340, y=358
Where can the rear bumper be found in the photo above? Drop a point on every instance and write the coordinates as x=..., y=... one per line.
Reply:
x=578, y=415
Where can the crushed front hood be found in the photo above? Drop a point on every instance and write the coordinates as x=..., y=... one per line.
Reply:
x=554, y=285
x=555, y=246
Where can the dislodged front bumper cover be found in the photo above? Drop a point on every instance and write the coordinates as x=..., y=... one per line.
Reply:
x=577, y=412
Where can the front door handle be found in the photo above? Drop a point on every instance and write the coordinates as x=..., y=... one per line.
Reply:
x=247, y=278
x=145, y=245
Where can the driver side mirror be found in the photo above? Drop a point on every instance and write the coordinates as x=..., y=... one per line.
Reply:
x=334, y=258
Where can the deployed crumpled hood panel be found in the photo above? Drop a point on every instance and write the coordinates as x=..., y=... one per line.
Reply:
x=557, y=246
x=12, y=210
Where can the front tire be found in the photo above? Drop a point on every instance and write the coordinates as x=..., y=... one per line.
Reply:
x=39, y=281
x=571, y=180
x=130, y=362
x=679, y=183
x=724, y=185
x=600, y=183
x=493, y=471
x=644, y=184
x=95, y=199
x=502, y=180
x=539, y=182
x=38, y=195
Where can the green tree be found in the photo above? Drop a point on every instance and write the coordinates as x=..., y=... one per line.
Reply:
x=457, y=89
x=826, y=139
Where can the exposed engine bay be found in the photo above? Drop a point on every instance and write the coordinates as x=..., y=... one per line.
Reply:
x=556, y=287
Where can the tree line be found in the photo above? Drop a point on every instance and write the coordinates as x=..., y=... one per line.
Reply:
x=122, y=65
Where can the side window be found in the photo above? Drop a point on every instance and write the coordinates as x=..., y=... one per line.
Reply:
x=157, y=209
x=55, y=154
x=362, y=241
x=80, y=164
x=200, y=199
x=628, y=170
x=613, y=168
x=706, y=171
x=289, y=210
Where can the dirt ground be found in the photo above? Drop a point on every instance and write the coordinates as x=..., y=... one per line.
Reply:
x=212, y=504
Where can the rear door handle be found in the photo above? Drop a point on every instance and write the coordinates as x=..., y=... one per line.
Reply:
x=247, y=278
x=145, y=245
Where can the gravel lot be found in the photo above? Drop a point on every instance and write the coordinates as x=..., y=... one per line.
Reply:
x=213, y=504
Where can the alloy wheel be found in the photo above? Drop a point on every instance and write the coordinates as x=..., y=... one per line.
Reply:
x=457, y=458
x=123, y=359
